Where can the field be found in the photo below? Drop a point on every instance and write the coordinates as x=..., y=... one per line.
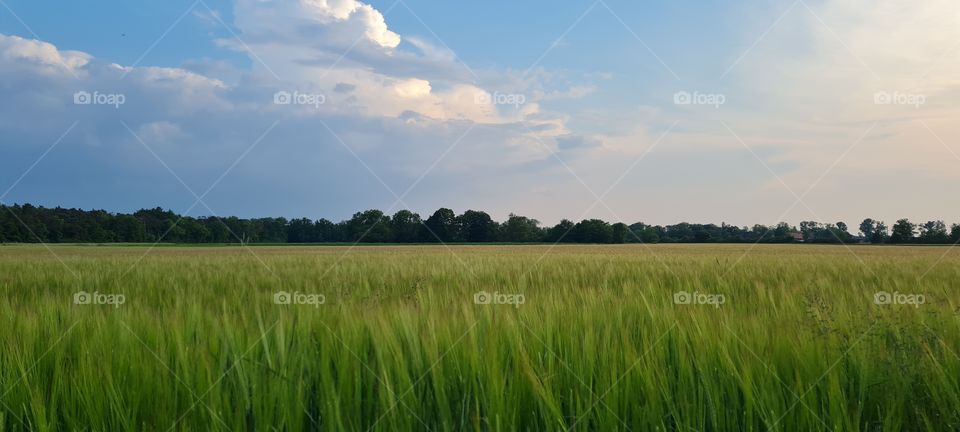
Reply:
x=532, y=338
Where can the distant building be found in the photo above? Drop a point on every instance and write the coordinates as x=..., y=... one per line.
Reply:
x=797, y=236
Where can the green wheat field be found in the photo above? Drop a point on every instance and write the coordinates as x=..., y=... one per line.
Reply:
x=480, y=338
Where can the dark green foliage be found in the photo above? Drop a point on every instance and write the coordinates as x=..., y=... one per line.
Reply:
x=903, y=232
x=371, y=226
x=477, y=227
x=407, y=227
x=934, y=232
x=592, y=231
x=442, y=226
x=30, y=224
x=519, y=229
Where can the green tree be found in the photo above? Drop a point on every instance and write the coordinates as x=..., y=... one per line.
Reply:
x=561, y=232
x=325, y=231
x=867, y=228
x=300, y=231
x=406, y=226
x=519, y=229
x=934, y=232
x=441, y=226
x=370, y=226
x=593, y=231
x=880, y=233
x=810, y=230
x=129, y=229
x=619, y=233
x=477, y=226
x=842, y=230
x=903, y=231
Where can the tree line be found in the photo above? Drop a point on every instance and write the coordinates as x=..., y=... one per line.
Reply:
x=32, y=224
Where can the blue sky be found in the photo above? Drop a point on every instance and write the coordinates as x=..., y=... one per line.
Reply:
x=628, y=111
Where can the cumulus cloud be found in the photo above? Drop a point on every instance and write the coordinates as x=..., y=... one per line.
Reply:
x=336, y=22
x=301, y=157
x=17, y=50
x=345, y=50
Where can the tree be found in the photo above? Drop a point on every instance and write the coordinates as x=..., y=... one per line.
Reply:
x=159, y=224
x=619, y=231
x=271, y=230
x=934, y=232
x=842, y=230
x=195, y=231
x=782, y=233
x=592, y=231
x=815, y=232
x=477, y=226
x=809, y=229
x=519, y=229
x=327, y=231
x=903, y=231
x=867, y=228
x=641, y=233
x=218, y=230
x=300, y=231
x=371, y=226
x=880, y=233
x=561, y=232
x=28, y=223
x=129, y=229
x=406, y=226
x=441, y=226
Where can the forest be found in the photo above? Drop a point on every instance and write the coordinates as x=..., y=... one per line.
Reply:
x=27, y=223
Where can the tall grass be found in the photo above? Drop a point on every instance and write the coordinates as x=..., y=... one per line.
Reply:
x=400, y=344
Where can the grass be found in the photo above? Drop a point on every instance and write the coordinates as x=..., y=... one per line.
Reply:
x=400, y=344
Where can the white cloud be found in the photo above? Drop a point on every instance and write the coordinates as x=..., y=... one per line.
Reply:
x=198, y=125
x=18, y=50
x=412, y=88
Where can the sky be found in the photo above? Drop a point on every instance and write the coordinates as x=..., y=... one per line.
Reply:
x=660, y=112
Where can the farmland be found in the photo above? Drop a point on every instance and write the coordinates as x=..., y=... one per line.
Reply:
x=572, y=337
